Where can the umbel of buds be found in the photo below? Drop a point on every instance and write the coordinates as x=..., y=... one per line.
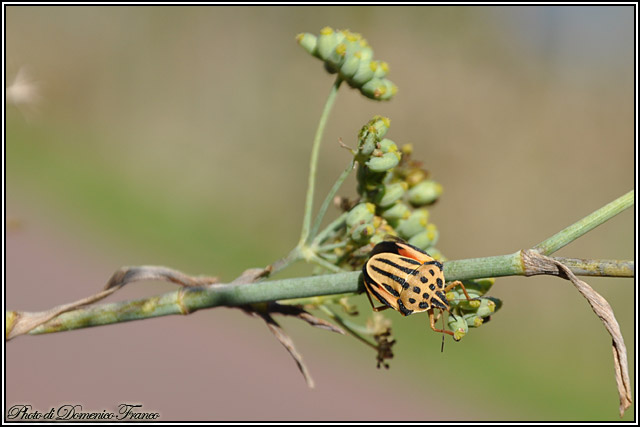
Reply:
x=394, y=191
x=349, y=55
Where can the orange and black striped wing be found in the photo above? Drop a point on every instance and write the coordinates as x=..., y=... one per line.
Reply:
x=402, y=248
x=388, y=275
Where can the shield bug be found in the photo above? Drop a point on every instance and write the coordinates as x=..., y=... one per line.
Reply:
x=407, y=279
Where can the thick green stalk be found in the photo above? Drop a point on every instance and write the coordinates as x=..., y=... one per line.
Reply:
x=599, y=267
x=188, y=300
x=585, y=225
x=308, y=207
x=477, y=268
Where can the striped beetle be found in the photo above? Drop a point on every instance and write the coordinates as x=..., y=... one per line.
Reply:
x=408, y=280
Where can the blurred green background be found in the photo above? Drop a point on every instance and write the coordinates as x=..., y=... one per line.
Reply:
x=180, y=136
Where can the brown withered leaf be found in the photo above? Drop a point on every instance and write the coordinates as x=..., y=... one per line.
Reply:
x=285, y=340
x=536, y=263
x=21, y=322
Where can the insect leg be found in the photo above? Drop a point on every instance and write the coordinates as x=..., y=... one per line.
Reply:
x=458, y=283
x=382, y=307
x=432, y=323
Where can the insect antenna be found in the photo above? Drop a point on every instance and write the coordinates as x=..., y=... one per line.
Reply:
x=442, y=346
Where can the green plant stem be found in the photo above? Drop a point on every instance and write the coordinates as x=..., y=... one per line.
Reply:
x=188, y=300
x=327, y=201
x=308, y=208
x=330, y=247
x=317, y=301
x=586, y=224
x=325, y=264
x=283, y=263
x=329, y=229
x=478, y=268
x=598, y=267
x=355, y=330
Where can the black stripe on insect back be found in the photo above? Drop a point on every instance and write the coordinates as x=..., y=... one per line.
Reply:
x=391, y=276
x=390, y=290
x=376, y=294
x=408, y=270
x=404, y=310
x=386, y=246
x=438, y=304
x=436, y=263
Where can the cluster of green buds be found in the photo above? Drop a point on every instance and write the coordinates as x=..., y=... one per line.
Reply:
x=349, y=55
x=394, y=192
x=474, y=313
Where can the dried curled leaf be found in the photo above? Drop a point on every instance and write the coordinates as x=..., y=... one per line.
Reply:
x=536, y=263
x=286, y=341
x=264, y=311
x=21, y=322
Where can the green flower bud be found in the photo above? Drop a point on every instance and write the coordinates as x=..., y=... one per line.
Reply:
x=362, y=233
x=381, y=70
x=390, y=193
x=381, y=89
x=367, y=143
x=337, y=56
x=350, y=66
x=308, y=42
x=371, y=133
x=369, y=181
x=496, y=301
x=486, y=307
x=361, y=214
x=426, y=238
x=380, y=125
x=459, y=326
x=387, y=146
x=413, y=225
x=384, y=163
x=415, y=176
x=327, y=42
x=437, y=255
x=363, y=74
x=479, y=286
x=365, y=53
x=465, y=305
x=453, y=297
x=349, y=54
x=473, y=320
x=425, y=193
x=397, y=211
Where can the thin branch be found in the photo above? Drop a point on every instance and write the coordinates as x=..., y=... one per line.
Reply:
x=355, y=330
x=586, y=224
x=327, y=200
x=330, y=229
x=308, y=207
